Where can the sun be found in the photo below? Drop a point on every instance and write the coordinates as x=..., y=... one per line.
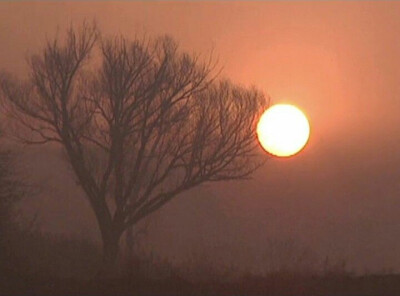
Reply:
x=283, y=130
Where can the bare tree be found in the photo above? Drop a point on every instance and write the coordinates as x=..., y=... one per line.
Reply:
x=140, y=122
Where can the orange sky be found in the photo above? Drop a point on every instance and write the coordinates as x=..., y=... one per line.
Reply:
x=338, y=61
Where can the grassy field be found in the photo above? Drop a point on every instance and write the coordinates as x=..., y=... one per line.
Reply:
x=248, y=285
x=33, y=263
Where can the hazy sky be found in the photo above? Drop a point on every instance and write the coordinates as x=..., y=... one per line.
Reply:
x=339, y=62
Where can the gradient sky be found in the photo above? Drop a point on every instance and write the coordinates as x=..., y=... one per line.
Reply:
x=339, y=62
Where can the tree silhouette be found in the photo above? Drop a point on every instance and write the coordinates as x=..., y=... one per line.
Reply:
x=140, y=122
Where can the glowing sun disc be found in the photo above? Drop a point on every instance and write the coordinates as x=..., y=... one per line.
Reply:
x=283, y=130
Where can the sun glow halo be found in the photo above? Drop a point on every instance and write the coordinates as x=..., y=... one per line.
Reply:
x=283, y=130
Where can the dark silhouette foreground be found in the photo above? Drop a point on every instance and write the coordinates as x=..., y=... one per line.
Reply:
x=41, y=264
x=247, y=285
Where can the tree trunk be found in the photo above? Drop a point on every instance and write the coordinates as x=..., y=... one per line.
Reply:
x=110, y=254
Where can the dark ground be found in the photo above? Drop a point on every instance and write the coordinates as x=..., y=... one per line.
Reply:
x=36, y=263
x=278, y=285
